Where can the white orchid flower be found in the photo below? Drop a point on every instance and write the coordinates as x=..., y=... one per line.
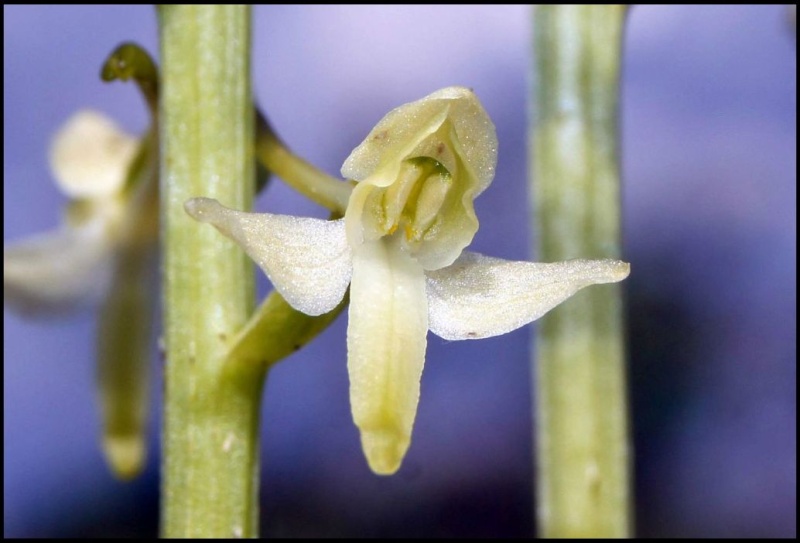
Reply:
x=51, y=272
x=400, y=248
x=99, y=256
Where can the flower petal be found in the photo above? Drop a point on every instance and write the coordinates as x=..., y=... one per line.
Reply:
x=377, y=163
x=405, y=127
x=91, y=155
x=433, y=206
x=386, y=340
x=123, y=359
x=55, y=271
x=308, y=260
x=480, y=296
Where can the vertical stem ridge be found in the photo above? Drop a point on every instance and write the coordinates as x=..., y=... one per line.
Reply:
x=210, y=462
x=583, y=487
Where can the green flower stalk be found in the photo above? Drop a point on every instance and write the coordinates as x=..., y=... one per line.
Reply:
x=305, y=178
x=210, y=469
x=582, y=443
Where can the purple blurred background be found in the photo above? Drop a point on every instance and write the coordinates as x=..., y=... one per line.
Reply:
x=709, y=120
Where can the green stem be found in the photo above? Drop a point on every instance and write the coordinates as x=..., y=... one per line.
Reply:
x=582, y=431
x=302, y=176
x=210, y=464
x=277, y=330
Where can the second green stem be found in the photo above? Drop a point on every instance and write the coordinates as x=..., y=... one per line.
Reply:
x=583, y=486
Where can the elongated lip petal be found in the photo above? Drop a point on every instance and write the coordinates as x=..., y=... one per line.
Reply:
x=386, y=341
x=480, y=296
x=126, y=454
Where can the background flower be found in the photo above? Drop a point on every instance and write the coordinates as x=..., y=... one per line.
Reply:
x=709, y=113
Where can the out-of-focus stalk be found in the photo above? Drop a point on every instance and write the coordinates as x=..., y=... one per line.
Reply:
x=582, y=441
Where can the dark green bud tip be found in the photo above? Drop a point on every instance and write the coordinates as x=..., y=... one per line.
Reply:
x=130, y=61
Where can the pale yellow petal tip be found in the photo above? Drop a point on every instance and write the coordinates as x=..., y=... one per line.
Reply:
x=125, y=455
x=602, y=271
x=202, y=209
x=384, y=451
x=620, y=270
x=91, y=155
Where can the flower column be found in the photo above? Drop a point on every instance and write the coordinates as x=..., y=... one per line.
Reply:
x=211, y=412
